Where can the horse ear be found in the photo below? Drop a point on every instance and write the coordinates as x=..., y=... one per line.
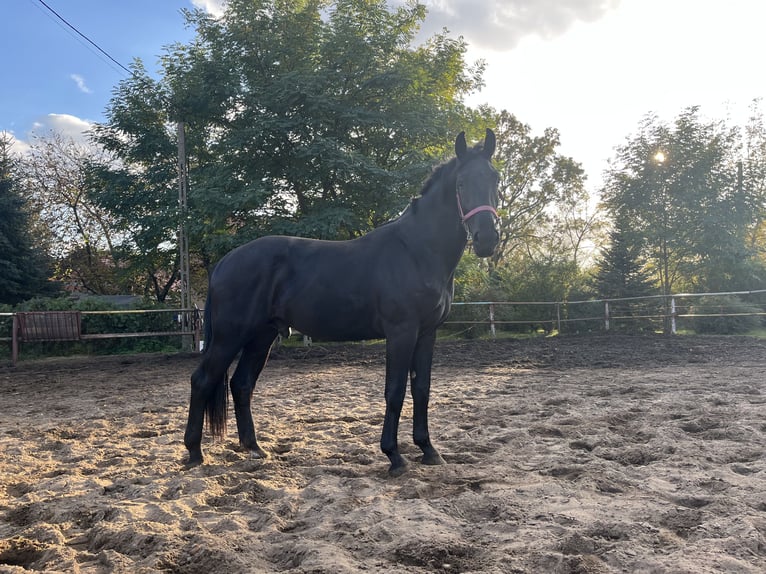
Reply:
x=489, y=144
x=460, y=146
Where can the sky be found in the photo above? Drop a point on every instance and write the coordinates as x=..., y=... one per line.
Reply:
x=592, y=69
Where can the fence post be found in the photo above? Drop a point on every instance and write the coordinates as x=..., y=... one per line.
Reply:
x=673, y=315
x=558, y=317
x=606, y=315
x=15, y=341
x=492, y=319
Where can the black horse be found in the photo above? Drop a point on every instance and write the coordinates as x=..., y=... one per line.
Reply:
x=396, y=283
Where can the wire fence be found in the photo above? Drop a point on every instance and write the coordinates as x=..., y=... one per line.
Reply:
x=723, y=313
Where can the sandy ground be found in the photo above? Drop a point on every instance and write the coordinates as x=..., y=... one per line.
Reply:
x=565, y=455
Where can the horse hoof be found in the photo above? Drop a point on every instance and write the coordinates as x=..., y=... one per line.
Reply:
x=398, y=467
x=192, y=462
x=395, y=471
x=258, y=454
x=433, y=460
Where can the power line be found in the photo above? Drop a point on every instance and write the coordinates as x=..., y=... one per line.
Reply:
x=83, y=36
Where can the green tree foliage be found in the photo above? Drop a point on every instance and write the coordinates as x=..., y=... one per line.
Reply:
x=676, y=186
x=621, y=270
x=138, y=186
x=723, y=315
x=24, y=268
x=752, y=183
x=307, y=118
x=621, y=274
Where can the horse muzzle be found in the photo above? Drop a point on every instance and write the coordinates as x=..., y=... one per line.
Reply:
x=485, y=241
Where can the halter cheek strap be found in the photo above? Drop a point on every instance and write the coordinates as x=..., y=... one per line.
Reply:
x=464, y=217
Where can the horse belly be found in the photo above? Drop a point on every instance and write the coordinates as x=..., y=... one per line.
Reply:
x=334, y=319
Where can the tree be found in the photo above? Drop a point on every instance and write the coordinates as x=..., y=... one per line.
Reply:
x=542, y=193
x=546, y=217
x=24, y=269
x=751, y=185
x=621, y=270
x=79, y=234
x=676, y=187
x=137, y=184
x=546, y=221
x=299, y=120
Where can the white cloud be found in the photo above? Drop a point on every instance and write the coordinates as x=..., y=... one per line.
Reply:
x=69, y=126
x=491, y=24
x=500, y=24
x=18, y=147
x=81, y=85
x=213, y=7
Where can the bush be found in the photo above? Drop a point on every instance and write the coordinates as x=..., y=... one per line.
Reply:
x=742, y=317
x=469, y=314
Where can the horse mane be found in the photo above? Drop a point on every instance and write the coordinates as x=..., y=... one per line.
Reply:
x=439, y=171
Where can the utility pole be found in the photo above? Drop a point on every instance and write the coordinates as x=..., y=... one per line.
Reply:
x=183, y=237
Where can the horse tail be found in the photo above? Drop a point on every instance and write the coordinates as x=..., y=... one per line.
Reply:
x=217, y=405
x=207, y=325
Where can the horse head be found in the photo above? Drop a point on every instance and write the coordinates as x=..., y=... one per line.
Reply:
x=476, y=184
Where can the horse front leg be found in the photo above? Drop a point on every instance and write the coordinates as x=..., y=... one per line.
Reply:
x=251, y=363
x=398, y=356
x=420, y=383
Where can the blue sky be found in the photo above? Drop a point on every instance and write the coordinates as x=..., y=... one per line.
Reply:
x=590, y=68
x=48, y=69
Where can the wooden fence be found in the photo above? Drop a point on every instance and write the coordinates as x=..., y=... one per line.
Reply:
x=51, y=326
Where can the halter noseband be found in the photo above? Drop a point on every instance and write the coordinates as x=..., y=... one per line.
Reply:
x=464, y=217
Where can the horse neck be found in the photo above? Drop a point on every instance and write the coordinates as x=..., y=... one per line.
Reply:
x=434, y=222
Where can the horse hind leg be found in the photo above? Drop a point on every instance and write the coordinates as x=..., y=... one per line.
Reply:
x=251, y=363
x=208, y=394
x=398, y=357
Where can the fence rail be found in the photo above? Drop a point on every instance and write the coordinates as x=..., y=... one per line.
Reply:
x=650, y=312
x=665, y=310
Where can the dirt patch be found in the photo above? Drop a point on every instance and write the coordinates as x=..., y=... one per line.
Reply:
x=588, y=454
